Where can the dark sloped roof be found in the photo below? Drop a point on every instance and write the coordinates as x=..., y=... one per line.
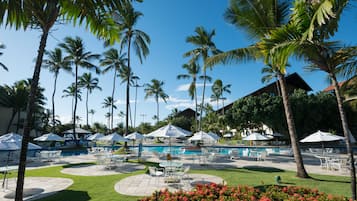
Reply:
x=293, y=81
x=187, y=113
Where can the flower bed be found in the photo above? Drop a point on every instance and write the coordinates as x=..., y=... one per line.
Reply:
x=218, y=192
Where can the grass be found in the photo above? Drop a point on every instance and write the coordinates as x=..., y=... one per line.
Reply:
x=98, y=188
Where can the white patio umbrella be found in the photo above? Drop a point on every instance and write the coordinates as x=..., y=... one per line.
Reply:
x=49, y=137
x=228, y=135
x=203, y=136
x=256, y=137
x=95, y=136
x=78, y=131
x=169, y=131
x=134, y=136
x=321, y=136
x=114, y=137
x=213, y=134
x=13, y=142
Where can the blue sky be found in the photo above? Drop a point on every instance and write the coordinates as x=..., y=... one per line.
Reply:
x=168, y=23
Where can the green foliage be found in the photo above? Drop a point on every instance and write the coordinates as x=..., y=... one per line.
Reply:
x=311, y=112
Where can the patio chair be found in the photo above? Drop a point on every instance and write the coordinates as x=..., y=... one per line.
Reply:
x=155, y=172
x=262, y=156
x=233, y=154
x=183, y=174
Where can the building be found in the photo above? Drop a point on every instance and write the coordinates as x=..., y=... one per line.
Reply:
x=293, y=82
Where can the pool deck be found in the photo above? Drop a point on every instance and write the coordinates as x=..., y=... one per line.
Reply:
x=131, y=185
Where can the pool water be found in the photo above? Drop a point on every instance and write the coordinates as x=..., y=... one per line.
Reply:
x=179, y=150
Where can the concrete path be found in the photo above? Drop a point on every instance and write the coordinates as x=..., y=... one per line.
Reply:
x=35, y=187
x=100, y=170
x=146, y=185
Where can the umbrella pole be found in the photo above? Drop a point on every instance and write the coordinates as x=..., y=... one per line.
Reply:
x=5, y=173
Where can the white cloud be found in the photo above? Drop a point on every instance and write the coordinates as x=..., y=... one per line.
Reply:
x=185, y=87
x=123, y=102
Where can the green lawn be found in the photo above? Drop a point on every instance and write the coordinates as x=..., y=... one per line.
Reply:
x=101, y=188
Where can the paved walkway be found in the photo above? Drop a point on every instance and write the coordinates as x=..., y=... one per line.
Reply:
x=35, y=187
x=100, y=170
x=143, y=185
x=146, y=185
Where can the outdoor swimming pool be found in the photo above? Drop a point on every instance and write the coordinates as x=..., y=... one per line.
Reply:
x=242, y=151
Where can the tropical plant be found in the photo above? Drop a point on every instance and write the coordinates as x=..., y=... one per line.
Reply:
x=205, y=47
x=127, y=17
x=136, y=85
x=91, y=112
x=311, y=25
x=44, y=14
x=258, y=19
x=269, y=74
x=86, y=81
x=155, y=89
x=71, y=92
x=219, y=89
x=2, y=46
x=79, y=57
x=193, y=69
x=55, y=62
x=109, y=103
x=113, y=61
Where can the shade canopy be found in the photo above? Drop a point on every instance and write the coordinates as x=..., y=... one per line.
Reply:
x=49, y=137
x=95, y=136
x=134, y=136
x=13, y=141
x=203, y=136
x=169, y=131
x=114, y=137
x=256, y=137
x=321, y=136
x=228, y=135
x=78, y=131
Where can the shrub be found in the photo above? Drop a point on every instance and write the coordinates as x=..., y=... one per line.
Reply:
x=218, y=192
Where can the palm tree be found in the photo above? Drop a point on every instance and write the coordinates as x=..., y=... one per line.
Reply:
x=136, y=85
x=304, y=38
x=127, y=18
x=113, y=61
x=270, y=74
x=78, y=56
x=86, y=81
x=258, y=19
x=109, y=103
x=71, y=92
x=2, y=46
x=91, y=112
x=219, y=89
x=127, y=76
x=44, y=14
x=193, y=70
x=55, y=62
x=204, y=48
x=14, y=97
x=155, y=89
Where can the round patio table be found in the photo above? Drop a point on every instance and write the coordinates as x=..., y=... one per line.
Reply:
x=170, y=164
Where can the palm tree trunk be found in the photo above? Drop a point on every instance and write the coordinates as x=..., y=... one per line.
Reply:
x=222, y=106
x=346, y=134
x=18, y=120
x=29, y=114
x=112, y=105
x=87, y=106
x=11, y=120
x=53, y=104
x=75, y=106
x=136, y=97
x=301, y=172
x=127, y=95
x=203, y=98
x=196, y=108
x=157, y=109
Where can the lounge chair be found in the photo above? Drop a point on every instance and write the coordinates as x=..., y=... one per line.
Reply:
x=233, y=154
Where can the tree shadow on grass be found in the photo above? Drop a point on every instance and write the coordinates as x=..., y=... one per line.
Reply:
x=68, y=195
x=263, y=169
x=331, y=180
x=77, y=165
